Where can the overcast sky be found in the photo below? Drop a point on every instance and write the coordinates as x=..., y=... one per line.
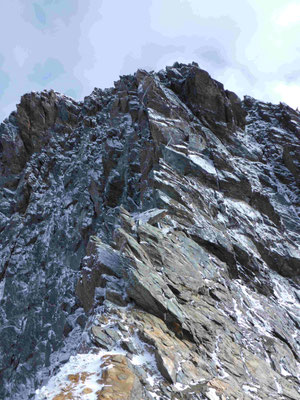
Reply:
x=72, y=46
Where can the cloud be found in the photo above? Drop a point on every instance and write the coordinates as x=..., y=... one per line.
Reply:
x=40, y=14
x=288, y=92
x=48, y=14
x=72, y=92
x=150, y=57
x=4, y=82
x=4, y=78
x=212, y=55
x=92, y=42
x=21, y=55
x=47, y=72
x=288, y=15
x=293, y=76
x=29, y=44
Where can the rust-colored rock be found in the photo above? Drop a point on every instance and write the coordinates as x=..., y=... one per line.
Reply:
x=119, y=380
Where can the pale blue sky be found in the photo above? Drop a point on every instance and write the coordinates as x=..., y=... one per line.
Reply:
x=72, y=46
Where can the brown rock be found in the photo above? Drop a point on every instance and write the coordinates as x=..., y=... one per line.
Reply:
x=119, y=380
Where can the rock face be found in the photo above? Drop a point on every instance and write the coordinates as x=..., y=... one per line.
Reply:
x=155, y=227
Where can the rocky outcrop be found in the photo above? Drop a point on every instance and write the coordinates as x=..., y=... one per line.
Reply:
x=207, y=333
x=215, y=107
x=28, y=129
x=153, y=229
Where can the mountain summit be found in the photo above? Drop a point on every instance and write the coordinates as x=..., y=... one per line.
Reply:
x=150, y=232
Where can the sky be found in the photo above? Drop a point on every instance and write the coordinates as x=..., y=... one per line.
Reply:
x=72, y=46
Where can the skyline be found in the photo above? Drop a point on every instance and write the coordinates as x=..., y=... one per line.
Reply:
x=72, y=46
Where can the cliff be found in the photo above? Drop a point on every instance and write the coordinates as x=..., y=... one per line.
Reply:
x=151, y=232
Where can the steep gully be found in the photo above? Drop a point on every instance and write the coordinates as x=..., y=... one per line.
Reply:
x=152, y=231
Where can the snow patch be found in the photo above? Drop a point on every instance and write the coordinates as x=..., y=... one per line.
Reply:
x=211, y=394
x=204, y=164
x=82, y=371
x=2, y=284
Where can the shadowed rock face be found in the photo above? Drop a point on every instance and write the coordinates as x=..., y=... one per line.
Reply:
x=216, y=108
x=159, y=220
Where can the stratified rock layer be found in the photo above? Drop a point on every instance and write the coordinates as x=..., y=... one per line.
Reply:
x=171, y=209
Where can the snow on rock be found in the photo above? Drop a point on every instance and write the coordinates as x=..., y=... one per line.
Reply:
x=78, y=378
x=151, y=232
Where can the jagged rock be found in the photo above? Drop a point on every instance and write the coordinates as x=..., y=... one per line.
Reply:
x=27, y=130
x=168, y=210
x=218, y=109
x=100, y=260
x=151, y=217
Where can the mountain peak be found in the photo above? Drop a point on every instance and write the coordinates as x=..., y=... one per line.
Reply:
x=150, y=243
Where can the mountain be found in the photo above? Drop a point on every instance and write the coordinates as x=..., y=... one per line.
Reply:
x=150, y=232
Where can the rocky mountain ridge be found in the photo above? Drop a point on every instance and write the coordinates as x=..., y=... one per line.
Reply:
x=153, y=230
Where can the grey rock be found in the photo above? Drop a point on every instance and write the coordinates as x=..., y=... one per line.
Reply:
x=168, y=209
